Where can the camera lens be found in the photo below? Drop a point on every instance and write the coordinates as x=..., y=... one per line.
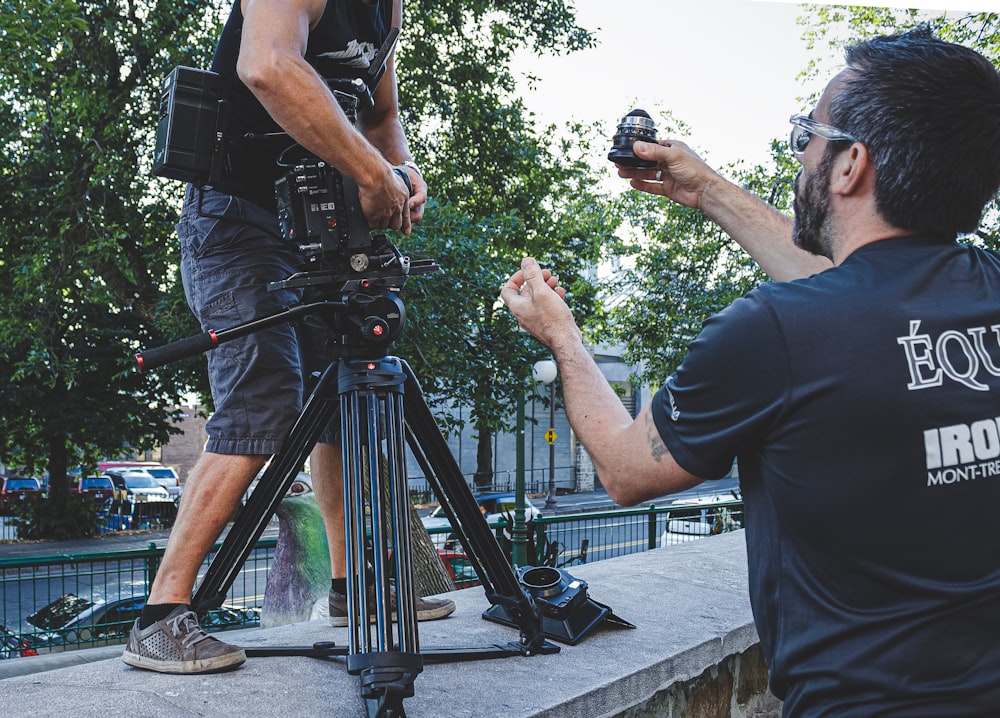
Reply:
x=636, y=125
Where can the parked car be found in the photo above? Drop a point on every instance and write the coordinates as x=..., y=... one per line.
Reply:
x=494, y=507
x=72, y=621
x=140, y=503
x=99, y=488
x=106, y=466
x=165, y=476
x=13, y=645
x=15, y=489
x=459, y=567
x=703, y=516
x=137, y=485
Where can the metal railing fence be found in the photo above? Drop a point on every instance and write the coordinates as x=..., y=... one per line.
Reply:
x=122, y=578
x=106, y=592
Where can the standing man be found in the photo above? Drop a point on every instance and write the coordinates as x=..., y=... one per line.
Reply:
x=274, y=58
x=862, y=402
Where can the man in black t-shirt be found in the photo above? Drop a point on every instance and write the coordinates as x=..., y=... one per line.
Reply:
x=859, y=400
x=275, y=59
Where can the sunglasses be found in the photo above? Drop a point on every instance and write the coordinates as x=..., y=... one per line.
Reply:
x=804, y=127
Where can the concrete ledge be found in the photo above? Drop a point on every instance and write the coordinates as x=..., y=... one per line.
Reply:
x=52, y=661
x=689, y=604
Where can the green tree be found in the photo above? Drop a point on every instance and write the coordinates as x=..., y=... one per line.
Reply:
x=85, y=264
x=503, y=188
x=686, y=268
x=87, y=260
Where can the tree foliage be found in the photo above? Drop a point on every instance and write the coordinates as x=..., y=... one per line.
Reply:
x=502, y=188
x=688, y=269
x=88, y=260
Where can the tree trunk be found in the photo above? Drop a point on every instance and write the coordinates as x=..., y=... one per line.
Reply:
x=58, y=474
x=429, y=574
x=483, y=478
x=430, y=577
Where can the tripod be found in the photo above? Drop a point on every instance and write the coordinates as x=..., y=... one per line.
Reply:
x=372, y=391
x=382, y=411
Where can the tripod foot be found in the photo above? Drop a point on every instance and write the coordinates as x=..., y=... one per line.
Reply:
x=383, y=709
x=386, y=679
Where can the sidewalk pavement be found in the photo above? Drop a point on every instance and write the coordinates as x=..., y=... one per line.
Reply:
x=121, y=541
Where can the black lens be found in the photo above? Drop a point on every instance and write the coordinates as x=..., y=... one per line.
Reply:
x=636, y=125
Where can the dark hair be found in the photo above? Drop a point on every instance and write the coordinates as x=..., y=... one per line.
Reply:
x=929, y=113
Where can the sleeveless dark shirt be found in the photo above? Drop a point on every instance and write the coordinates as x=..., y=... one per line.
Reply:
x=341, y=46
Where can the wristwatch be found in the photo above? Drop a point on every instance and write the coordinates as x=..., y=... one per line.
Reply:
x=412, y=166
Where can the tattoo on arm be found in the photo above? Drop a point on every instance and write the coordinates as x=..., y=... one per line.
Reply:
x=657, y=448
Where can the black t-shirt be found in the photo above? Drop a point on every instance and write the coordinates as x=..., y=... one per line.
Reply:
x=863, y=405
x=341, y=46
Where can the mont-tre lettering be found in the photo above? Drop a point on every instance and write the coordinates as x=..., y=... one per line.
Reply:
x=963, y=452
x=957, y=355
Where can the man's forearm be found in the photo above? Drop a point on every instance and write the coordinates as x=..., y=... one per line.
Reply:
x=595, y=412
x=764, y=232
x=387, y=137
x=629, y=455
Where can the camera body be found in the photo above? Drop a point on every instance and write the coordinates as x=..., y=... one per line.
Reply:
x=319, y=209
x=636, y=125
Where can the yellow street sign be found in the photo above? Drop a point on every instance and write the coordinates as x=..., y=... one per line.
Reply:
x=550, y=436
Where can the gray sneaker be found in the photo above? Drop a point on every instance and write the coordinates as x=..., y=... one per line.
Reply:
x=428, y=609
x=177, y=644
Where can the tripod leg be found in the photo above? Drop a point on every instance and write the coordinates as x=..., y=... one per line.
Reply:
x=372, y=428
x=271, y=488
x=445, y=477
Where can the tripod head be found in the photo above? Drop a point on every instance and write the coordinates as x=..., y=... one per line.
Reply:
x=362, y=310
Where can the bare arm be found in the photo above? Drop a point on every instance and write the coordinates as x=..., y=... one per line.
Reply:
x=273, y=66
x=629, y=455
x=759, y=228
x=383, y=129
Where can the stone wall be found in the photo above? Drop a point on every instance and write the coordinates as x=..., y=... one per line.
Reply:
x=735, y=688
x=693, y=653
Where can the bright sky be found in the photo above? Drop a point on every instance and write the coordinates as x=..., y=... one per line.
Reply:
x=727, y=68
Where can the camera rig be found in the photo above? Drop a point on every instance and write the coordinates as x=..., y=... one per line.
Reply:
x=353, y=280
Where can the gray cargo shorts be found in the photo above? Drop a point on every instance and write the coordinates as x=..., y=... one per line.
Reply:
x=227, y=259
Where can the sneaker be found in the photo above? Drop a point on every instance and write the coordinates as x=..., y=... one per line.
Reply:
x=177, y=644
x=428, y=609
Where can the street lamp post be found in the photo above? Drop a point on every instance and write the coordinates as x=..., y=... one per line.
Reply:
x=518, y=532
x=545, y=372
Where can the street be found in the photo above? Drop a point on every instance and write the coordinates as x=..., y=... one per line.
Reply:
x=599, y=499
